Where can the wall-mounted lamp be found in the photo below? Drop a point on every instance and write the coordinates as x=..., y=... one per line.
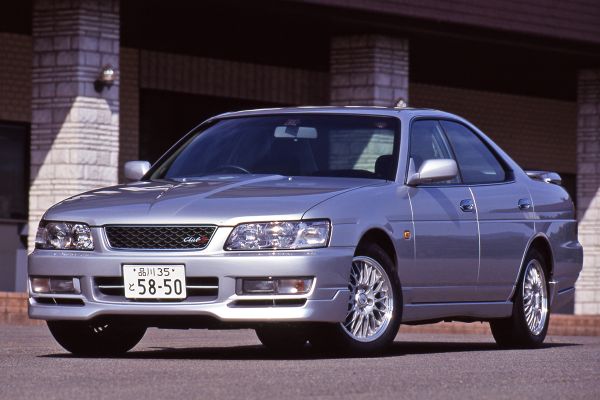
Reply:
x=105, y=79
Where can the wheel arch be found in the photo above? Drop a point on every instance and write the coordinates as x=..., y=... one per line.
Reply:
x=541, y=243
x=381, y=238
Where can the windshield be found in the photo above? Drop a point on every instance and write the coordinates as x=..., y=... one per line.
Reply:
x=290, y=145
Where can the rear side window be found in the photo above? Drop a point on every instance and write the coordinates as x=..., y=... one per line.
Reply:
x=476, y=162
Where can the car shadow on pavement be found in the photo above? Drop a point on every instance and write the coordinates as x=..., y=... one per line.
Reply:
x=258, y=352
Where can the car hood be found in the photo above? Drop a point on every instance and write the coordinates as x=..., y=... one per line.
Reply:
x=224, y=200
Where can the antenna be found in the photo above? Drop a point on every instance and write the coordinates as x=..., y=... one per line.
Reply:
x=401, y=103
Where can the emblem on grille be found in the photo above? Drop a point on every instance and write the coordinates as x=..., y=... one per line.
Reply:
x=195, y=239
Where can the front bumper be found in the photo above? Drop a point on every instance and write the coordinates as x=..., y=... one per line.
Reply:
x=327, y=301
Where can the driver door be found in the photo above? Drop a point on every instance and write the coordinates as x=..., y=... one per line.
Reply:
x=445, y=223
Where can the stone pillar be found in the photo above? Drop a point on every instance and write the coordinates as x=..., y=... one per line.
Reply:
x=587, y=297
x=74, y=129
x=368, y=70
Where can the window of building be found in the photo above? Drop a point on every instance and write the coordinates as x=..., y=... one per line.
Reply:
x=13, y=169
x=476, y=162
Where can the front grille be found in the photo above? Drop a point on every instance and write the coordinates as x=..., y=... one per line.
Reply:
x=205, y=287
x=159, y=237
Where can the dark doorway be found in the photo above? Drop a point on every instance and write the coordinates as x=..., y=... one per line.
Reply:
x=166, y=116
x=14, y=168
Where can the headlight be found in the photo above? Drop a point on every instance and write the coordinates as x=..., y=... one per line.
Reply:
x=279, y=235
x=64, y=236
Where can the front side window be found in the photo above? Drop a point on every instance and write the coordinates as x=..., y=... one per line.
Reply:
x=428, y=142
x=476, y=162
x=290, y=145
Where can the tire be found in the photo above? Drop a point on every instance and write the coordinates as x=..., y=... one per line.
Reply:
x=344, y=337
x=515, y=331
x=96, y=339
x=283, y=338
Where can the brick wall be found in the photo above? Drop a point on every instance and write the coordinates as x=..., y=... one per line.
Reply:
x=369, y=70
x=224, y=78
x=15, y=77
x=535, y=132
x=13, y=309
x=588, y=190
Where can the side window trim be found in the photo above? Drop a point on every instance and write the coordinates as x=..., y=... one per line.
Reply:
x=461, y=181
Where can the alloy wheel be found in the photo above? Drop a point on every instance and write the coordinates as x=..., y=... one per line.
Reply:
x=535, y=297
x=371, y=302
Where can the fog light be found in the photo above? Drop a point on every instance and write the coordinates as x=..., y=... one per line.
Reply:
x=40, y=285
x=275, y=285
x=254, y=286
x=62, y=285
x=45, y=284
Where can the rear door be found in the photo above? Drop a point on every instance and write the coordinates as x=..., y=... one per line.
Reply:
x=504, y=211
x=446, y=241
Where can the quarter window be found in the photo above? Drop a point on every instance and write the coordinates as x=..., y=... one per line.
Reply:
x=476, y=162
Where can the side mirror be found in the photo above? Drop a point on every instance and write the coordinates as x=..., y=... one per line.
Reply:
x=134, y=170
x=432, y=171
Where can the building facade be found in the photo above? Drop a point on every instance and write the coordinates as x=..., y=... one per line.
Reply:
x=527, y=73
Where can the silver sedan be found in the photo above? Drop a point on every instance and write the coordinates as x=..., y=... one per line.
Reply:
x=328, y=226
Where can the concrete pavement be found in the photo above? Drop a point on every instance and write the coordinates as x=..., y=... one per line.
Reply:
x=232, y=365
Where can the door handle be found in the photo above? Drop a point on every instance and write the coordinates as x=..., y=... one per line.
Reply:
x=524, y=204
x=467, y=205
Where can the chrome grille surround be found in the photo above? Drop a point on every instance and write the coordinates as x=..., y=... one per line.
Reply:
x=159, y=237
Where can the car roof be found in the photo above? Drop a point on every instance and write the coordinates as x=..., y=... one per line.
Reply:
x=351, y=110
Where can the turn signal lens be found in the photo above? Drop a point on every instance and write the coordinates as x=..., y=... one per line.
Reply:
x=40, y=285
x=294, y=286
x=275, y=285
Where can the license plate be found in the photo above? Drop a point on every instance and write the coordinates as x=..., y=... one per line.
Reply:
x=154, y=281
